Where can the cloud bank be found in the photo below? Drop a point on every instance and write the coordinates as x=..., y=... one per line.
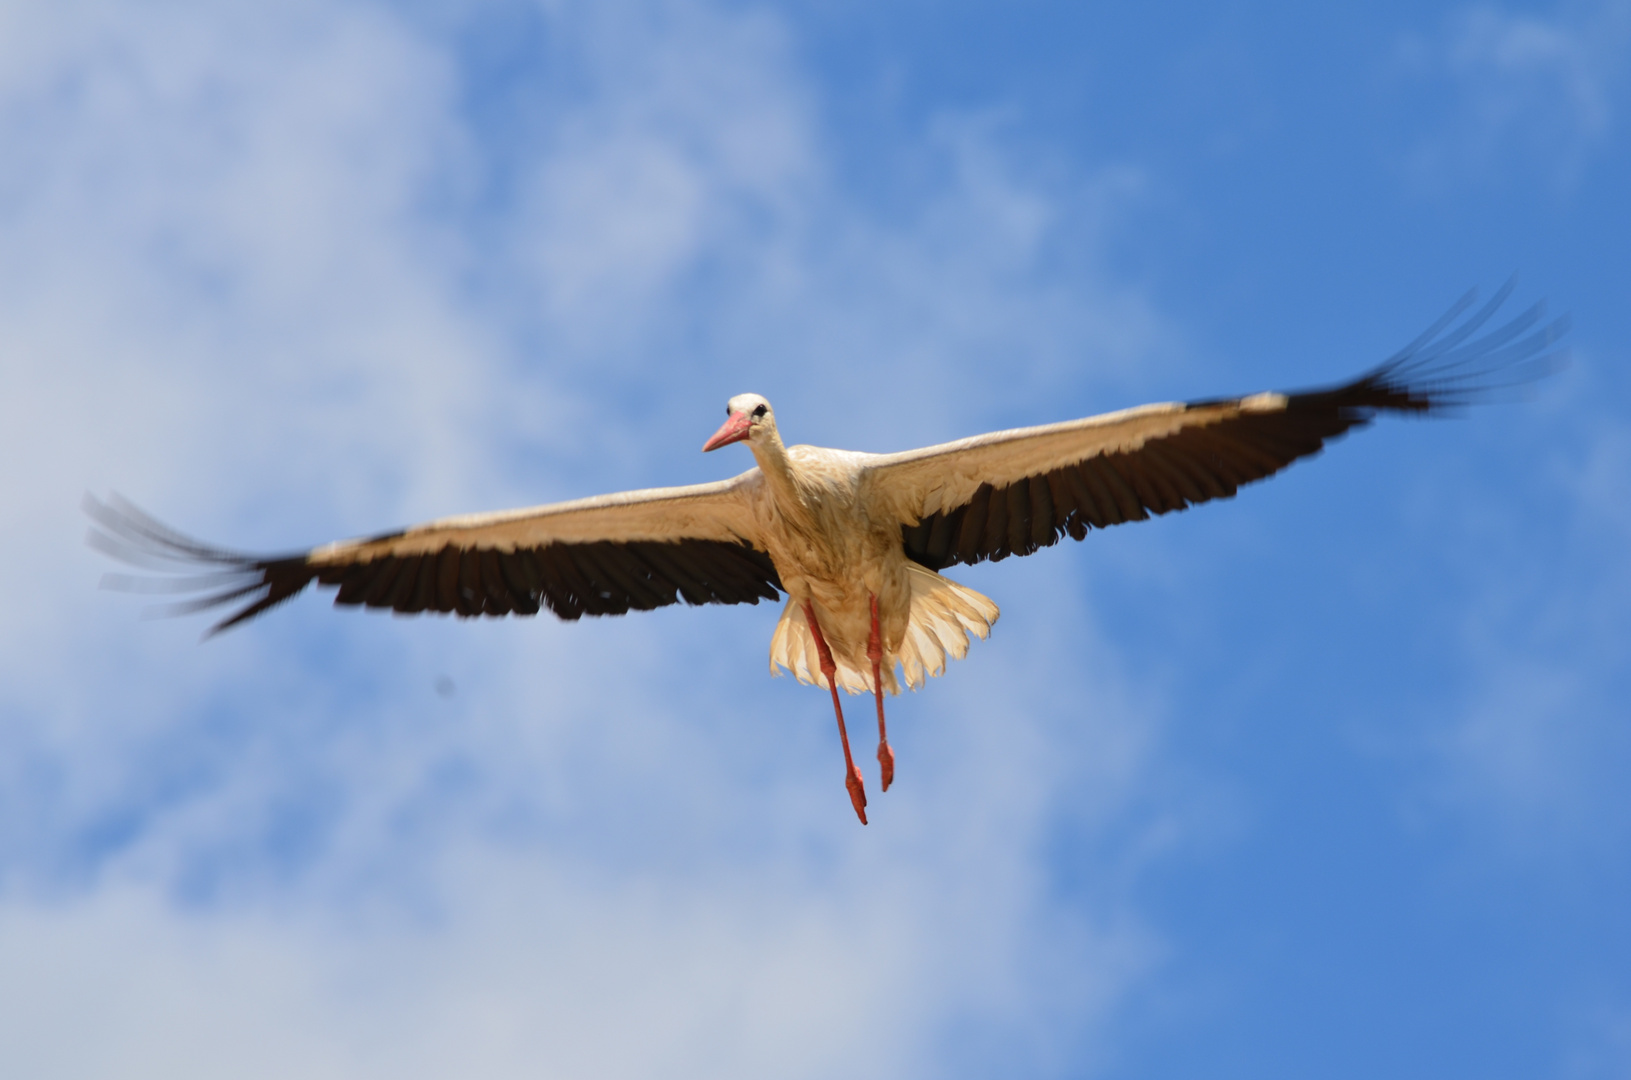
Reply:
x=296, y=272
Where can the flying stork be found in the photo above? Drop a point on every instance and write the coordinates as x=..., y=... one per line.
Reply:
x=856, y=541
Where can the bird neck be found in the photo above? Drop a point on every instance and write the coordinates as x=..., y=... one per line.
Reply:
x=777, y=467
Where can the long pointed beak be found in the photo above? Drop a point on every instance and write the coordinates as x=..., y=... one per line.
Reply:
x=734, y=430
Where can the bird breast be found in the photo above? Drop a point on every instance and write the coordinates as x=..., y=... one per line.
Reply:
x=833, y=547
x=816, y=521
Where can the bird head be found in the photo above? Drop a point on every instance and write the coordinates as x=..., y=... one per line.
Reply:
x=749, y=415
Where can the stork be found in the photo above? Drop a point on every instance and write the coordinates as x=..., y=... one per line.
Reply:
x=855, y=541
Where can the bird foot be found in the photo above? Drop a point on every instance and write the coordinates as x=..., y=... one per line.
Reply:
x=857, y=793
x=886, y=764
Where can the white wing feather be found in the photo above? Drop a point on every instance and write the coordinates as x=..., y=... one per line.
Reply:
x=718, y=511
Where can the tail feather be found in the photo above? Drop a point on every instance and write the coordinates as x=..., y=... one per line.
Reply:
x=944, y=614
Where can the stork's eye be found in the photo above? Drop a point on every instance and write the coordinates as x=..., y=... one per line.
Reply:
x=760, y=411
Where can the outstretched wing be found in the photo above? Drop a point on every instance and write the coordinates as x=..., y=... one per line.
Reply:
x=1012, y=492
x=601, y=556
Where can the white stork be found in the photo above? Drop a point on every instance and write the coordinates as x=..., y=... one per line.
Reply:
x=856, y=541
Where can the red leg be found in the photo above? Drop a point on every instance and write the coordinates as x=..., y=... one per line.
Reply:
x=874, y=652
x=852, y=775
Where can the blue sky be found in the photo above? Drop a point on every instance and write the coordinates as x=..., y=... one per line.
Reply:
x=1326, y=780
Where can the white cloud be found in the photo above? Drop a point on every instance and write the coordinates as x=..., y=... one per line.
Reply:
x=1535, y=95
x=668, y=162
x=238, y=246
x=546, y=965
x=1533, y=756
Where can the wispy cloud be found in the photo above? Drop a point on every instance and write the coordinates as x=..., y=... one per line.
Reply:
x=1538, y=755
x=1530, y=94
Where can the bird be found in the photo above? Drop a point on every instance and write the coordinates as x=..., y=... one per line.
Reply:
x=855, y=542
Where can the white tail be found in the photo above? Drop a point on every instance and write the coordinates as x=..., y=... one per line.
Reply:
x=943, y=614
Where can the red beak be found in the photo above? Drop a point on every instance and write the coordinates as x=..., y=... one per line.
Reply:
x=734, y=430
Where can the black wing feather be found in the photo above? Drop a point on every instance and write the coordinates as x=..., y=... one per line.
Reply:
x=1443, y=369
